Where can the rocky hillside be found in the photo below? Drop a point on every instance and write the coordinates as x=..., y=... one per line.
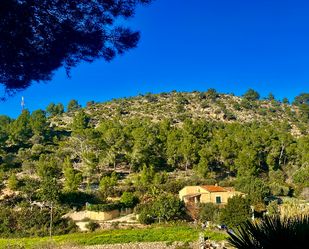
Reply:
x=209, y=105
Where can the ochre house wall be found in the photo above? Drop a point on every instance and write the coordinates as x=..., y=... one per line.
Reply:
x=191, y=189
x=205, y=195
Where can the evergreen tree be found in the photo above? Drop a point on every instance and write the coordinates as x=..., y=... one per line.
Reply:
x=251, y=95
x=38, y=121
x=270, y=97
x=80, y=121
x=21, y=128
x=73, y=105
x=72, y=180
x=12, y=182
x=285, y=101
x=236, y=211
x=108, y=181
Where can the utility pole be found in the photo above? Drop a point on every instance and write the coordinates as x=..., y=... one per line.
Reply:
x=22, y=104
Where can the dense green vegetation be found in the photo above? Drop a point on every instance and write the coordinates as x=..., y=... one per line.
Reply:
x=121, y=236
x=151, y=146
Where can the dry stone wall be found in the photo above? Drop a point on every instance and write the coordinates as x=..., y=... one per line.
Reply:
x=99, y=216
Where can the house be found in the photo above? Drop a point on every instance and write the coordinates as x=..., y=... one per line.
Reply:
x=207, y=193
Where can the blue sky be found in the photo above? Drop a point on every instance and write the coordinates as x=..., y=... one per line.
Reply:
x=194, y=45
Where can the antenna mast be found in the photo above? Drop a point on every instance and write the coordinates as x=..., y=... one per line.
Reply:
x=22, y=104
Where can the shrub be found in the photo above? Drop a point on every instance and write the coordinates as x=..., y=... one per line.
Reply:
x=252, y=185
x=128, y=199
x=245, y=103
x=236, y=211
x=145, y=218
x=236, y=106
x=301, y=176
x=278, y=189
x=92, y=225
x=272, y=208
x=207, y=211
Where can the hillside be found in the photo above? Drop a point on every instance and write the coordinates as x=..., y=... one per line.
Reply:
x=149, y=146
x=178, y=106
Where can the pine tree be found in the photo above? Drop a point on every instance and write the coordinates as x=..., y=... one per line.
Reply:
x=72, y=180
x=12, y=182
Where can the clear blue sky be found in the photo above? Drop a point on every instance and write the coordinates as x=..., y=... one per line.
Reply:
x=194, y=45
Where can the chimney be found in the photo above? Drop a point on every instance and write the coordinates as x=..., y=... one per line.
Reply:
x=216, y=184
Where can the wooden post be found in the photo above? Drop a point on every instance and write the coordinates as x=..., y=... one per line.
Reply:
x=51, y=222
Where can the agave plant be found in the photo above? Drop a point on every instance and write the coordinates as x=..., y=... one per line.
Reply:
x=272, y=232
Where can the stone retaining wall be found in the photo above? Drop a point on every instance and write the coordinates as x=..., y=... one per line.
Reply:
x=147, y=245
x=137, y=245
x=99, y=216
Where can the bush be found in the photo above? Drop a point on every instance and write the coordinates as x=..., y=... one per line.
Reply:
x=236, y=106
x=207, y=211
x=245, y=103
x=128, y=199
x=236, y=211
x=92, y=225
x=145, y=218
x=301, y=176
x=278, y=189
x=252, y=185
x=272, y=208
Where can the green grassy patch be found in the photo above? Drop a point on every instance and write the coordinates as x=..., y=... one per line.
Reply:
x=120, y=237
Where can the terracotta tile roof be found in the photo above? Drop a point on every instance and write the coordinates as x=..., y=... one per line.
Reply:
x=210, y=188
x=229, y=189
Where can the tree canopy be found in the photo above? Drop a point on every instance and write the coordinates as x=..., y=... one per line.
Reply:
x=38, y=37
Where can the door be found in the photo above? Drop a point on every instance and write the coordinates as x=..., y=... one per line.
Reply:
x=218, y=199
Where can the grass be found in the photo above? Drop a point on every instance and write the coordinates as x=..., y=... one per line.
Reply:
x=172, y=234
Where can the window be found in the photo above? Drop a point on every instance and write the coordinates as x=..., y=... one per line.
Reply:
x=218, y=199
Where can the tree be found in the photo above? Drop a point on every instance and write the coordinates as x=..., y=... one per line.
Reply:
x=252, y=185
x=21, y=128
x=73, y=105
x=270, y=97
x=211, y=93
x=45, y=168
x=236, y=211
x=49, y=192
x=29, y=189
x=80, y=121
x=251, y=95
x=38, y=37
x=128, y=199
x=167, y=206
x=108, y=181
x=285, y=101
x=207, y=211
x=38, y=121
x=301, y=99
x=12, y=182
x=272, y=232
x=53, y=109
x=90, y=103
x=72, y=179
